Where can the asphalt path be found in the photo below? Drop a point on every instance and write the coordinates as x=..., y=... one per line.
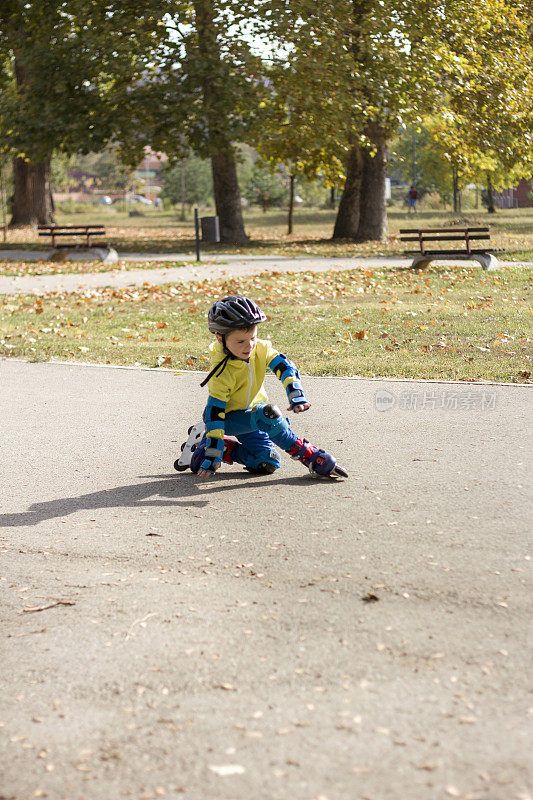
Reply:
x=212, y=267
x=274, y=637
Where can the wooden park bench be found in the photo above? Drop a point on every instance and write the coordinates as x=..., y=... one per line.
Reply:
x=76, y=236
x=424, y=255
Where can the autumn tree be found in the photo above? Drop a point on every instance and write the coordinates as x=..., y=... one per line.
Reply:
x=485, y=127
x=295, y=128
x=65, y=69
x=203, y=93
x=394, y=62
x=374, y=80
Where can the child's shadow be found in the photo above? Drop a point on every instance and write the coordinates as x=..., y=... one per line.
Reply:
x=164, y=490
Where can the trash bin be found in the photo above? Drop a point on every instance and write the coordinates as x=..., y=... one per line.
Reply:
x=210, y=229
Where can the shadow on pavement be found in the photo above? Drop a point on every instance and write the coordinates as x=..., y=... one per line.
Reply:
x=164, y=490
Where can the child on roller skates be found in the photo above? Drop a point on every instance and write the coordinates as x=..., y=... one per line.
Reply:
x=238, y=405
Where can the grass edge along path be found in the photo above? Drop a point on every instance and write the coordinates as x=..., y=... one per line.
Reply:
x=443, y=324
x=20, y=268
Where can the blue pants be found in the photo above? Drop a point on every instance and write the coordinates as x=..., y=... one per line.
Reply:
x=257, y=435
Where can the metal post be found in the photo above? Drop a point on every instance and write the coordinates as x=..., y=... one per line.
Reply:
x=183, y=194
x=197, y=233
x=414, y=157
x=4, y=200
x=146, y=177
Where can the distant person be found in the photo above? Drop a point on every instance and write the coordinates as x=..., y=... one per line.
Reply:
x=412, y=197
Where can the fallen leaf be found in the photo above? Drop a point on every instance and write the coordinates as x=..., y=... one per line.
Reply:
x=225, y=770
x=453, y=791
x=50, y=605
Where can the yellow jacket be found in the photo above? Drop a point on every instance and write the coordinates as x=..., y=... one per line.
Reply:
x=240, y=385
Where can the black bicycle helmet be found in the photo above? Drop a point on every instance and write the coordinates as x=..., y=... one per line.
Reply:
x=232, y=313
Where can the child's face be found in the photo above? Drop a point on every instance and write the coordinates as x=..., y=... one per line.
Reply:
x=241, y=343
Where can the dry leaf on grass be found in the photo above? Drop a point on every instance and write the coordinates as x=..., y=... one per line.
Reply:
x=224, y=770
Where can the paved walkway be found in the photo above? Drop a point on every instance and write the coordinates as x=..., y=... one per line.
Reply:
x=214, y=266
x=264, y=637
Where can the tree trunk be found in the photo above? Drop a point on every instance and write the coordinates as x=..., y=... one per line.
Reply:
x=291, y=206
x=347, y=220
x=373, y=215
x=223, y=162
x=491, y=208
x=3, y=200
x=332, y=197
x=455, y=180
x=227, y=197
x=32, y=197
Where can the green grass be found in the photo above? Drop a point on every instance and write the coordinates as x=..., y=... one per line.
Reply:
x=444, y=323
x=163, y=232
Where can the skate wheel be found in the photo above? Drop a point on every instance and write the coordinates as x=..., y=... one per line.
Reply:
x=179, y=467
x=339, y=472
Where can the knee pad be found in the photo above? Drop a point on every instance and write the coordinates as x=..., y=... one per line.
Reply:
x=265, y=464
x=266, y=469
x=270, y=419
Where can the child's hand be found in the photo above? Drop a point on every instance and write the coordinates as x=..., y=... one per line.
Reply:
x=206, y=473
x=300, y=407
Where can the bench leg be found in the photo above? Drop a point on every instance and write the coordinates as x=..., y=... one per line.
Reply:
x=487, y=261
x=420, y=262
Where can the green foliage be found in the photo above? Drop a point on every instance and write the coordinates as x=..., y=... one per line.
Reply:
x=382, y=64
x=485, y=125
x=266, y=187
x=433, y=171
x=59, y=172
x=66, y=68
x=189, y=181
x=179, y=74
x=204, y=87
x=295, y=126
x=109, y=173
